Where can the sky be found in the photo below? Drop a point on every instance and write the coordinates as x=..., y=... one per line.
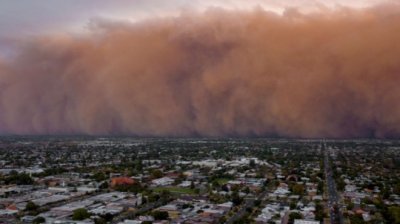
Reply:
x=267, y=68
x=29, y=17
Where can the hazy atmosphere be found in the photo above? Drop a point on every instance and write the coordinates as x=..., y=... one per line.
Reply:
x=201, y=68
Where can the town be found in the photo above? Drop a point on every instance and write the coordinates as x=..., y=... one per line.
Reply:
x=124, y=180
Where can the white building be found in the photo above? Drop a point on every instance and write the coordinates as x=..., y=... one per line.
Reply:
x=350, y=188
x=302, y=221
x=164, y=181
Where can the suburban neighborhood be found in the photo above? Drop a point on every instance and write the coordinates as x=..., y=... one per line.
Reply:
x=133, y=181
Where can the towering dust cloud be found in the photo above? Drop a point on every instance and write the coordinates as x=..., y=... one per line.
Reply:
x=217, y=73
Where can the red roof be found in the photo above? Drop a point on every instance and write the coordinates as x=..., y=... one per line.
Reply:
x=359, y=211
x=12, y=207
x=122, y=181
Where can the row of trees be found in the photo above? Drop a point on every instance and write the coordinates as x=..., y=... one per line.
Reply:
x=18, y=178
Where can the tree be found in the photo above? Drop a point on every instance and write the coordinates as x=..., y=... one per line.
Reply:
x=165, y=195
x=319, y=213
x=136, y=188
x=225, y=188
x=235, y=188
x=100, y=221
x=38, y=220
x=104, y=185
x=19, y=179
x=246, y=190
x=215, y=184
x=30, y=206
x=252, y=163
x=80, y=214
x=236, y=199
x=298, y=189
x=222, y=219
x=293, y=216
x=340, y=184
x=139, y=165
x=394, y=213
x=356, y=219
x=350, y=206
x=100, y=176
x=160, y=215
x=257, y=203
x=320, y=187
x=107, y=217
x=52, y=171
x=293, y=205
x=249, y=209
x=156, y=174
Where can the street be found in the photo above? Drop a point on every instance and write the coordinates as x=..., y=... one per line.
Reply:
x=145, y=208
x=335, y=214
x=249, y=202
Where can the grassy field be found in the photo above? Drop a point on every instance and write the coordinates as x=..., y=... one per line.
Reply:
x=179, y=190
x=222, y=181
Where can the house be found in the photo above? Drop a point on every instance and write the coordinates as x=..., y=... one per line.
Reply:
x=283, y=189
x=185, y=184
x=302, y=221
x=172, y=209
x=28, y=219
x=118, y=181
x=350, y=188
x=227, y=206
x=164, y=181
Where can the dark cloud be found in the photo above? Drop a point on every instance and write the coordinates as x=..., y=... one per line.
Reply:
x=217, y=73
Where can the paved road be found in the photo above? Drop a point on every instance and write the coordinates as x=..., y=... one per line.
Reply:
x=335, y=213
x=242, y=211
x=249, y=202
x=145, y=208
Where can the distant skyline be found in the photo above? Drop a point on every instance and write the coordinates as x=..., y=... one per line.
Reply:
x=267, y=68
